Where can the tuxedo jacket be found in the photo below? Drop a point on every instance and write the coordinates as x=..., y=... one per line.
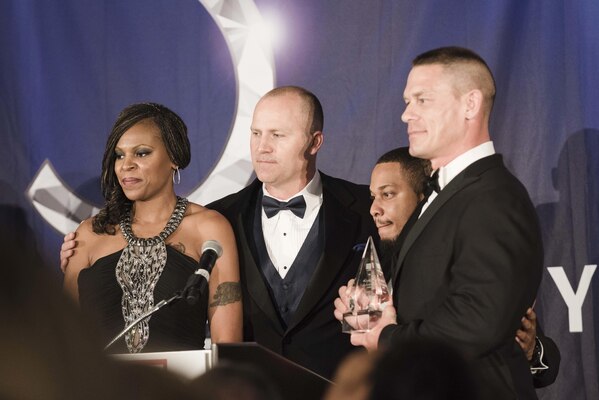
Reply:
x=313, y=337
x=467, y=271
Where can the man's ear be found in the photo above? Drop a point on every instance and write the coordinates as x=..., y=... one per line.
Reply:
x=473, y=103
x=317, y=140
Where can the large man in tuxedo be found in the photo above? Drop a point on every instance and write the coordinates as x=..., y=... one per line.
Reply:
x=470, y=265
x=293, y=261
x=397, y=184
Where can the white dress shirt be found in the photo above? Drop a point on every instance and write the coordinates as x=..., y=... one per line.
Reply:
x=285, y=233
x=457, y=165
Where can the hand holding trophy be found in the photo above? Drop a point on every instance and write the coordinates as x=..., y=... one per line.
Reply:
x=368, y=295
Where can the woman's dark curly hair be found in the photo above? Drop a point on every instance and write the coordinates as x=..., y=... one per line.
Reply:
x=174, y=136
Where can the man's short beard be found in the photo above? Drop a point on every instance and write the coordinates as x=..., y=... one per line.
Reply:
x=389, y=249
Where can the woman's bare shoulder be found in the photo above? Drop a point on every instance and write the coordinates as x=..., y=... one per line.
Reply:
x=203, y=215
x=85, y=229
x=95, y=244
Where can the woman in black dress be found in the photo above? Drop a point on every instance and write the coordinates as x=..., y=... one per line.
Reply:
x=146, y=241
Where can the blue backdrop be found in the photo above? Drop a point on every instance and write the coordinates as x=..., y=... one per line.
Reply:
x=68, y=66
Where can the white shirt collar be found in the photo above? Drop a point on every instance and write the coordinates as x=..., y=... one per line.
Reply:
x=312, y=193
x=463, y=161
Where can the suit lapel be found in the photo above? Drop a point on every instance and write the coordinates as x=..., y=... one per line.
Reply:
x=255, y=284
x=470, y=175
x=340, y=227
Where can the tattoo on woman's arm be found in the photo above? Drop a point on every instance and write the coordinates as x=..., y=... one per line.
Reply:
x=226, y=293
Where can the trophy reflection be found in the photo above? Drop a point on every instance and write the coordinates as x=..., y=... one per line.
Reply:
x=368, y=295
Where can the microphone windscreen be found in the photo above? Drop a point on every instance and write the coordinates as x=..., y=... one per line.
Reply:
x=212, y=245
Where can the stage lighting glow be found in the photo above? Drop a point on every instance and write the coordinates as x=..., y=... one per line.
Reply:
x=269, y=32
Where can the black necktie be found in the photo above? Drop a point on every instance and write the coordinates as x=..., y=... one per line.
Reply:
x=271, y=206
x=432, y=185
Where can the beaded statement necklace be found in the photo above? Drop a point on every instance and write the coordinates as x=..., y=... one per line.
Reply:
x=139, y=268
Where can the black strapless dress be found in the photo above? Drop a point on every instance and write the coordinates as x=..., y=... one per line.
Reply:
x=179, y=326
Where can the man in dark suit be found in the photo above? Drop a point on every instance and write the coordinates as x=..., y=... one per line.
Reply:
x=292, y=265
x=397, y=184
x=470, y=264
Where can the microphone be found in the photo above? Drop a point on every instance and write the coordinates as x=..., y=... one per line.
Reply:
x=197, y=282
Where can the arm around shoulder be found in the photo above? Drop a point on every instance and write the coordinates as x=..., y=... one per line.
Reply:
x=551, y=358
x=66, y=250
x=79, y=259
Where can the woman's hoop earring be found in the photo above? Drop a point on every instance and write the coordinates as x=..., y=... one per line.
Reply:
x=176, y=176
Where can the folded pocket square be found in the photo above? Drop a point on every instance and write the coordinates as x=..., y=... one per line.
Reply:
x=359, y=247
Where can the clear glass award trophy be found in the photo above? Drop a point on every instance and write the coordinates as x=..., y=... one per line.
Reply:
x=368, y=295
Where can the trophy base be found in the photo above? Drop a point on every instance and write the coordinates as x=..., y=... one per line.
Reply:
x=360, y=322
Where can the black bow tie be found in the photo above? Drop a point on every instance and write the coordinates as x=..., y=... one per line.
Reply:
x=432, y=185
x=271, y=206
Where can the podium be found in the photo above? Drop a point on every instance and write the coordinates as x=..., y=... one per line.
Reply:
x=293, y=381
x=187, y=364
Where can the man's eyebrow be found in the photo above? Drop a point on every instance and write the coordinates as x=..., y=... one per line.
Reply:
x=386, y=185
x=415, y=94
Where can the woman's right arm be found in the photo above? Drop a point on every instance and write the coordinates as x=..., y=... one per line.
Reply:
x=224, y=307
x=79, y=260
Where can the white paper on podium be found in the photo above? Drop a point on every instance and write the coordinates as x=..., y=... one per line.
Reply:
x=187, y=364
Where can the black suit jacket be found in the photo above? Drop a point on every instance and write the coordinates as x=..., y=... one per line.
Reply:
x=313, y=338
x=467, y=271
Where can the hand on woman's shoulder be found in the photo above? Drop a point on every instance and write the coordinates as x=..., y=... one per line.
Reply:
x=85, y=233
x=80, y=259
